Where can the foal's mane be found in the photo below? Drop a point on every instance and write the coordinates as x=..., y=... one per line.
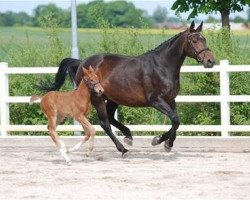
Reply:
x=168, y=42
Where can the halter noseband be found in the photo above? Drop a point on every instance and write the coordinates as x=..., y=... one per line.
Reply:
x=197, y=53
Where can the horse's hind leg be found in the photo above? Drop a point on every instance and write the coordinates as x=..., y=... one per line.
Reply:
x=54, y=136
x=111, y=108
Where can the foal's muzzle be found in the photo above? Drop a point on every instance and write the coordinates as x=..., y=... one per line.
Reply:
x=98, y=89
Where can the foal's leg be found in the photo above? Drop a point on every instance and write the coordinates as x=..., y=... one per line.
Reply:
x=54, y=136
x=170, y=110
x=89, y=133
x=111, y=108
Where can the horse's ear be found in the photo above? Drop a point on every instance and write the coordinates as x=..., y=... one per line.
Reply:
x=191, y=28
x=199, y=28
x=85, y=71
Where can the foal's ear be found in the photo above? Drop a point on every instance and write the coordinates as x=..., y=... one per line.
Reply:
x=199, y=28
x=191, y=28
x=85, y=71
x=91, y=68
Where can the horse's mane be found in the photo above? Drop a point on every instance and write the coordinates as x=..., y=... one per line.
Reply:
x=167, y=43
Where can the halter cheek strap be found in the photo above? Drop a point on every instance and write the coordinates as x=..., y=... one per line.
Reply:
x=89, y=83
x=197, y=53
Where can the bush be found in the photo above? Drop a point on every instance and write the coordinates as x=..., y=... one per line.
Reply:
x=131, y=42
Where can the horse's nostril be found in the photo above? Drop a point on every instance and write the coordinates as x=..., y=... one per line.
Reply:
x=210, y=61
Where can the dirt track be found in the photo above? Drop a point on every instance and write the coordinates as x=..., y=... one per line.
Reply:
x=196, y=169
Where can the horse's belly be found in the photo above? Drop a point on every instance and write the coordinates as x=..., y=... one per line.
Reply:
x=127, y=98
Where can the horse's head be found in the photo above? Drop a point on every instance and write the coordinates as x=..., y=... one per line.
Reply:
x=92, y=80
x=196, y=46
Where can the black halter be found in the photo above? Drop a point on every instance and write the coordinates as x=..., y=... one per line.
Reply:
x=90, y=83
x=197, y=53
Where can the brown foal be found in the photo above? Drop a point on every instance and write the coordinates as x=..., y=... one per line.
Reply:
x=56, y=106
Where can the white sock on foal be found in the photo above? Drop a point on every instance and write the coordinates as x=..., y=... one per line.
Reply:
x=63, y=151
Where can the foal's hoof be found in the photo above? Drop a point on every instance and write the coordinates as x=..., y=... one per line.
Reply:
x=128, y=141
x=167, y=147
x=156, y=140
x=124, y=153
x=69, y=150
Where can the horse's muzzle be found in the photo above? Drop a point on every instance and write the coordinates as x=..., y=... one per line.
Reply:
x=209, y=63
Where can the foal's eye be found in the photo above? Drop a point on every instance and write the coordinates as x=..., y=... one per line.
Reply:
x=194, y=41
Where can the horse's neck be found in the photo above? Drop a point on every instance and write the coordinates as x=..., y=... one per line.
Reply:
x=82, y=90
x=173, y=55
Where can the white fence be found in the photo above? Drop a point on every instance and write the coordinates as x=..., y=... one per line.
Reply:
x=224, y=99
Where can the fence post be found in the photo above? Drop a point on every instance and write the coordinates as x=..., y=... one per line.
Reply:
x=224, y=95
x=4, y=93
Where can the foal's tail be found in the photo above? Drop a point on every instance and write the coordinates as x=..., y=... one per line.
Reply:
x=69, y=65
x=34, y=98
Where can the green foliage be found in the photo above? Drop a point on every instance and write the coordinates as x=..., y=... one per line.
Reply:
x=115, y=13
x=29, y=52
x=61, y=17
x=225, y=46
x=10, y=18
x=160, y=14
x=200, y=6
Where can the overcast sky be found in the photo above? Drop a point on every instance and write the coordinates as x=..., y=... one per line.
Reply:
x=148, y=5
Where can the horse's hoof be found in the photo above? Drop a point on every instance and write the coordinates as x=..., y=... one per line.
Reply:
x=86, y=155
x=156, y=140
x=128, y=141
x=124, y=153
x=69, y=163
x=167, y=146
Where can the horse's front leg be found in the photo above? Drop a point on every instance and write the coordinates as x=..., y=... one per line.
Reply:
x=111, y=108
x=99, y=104
x=170, y=111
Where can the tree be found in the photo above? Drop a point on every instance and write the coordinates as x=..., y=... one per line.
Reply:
x=160, y=14
x=22, y=19
x=7, y=19
x=225, y=7
x=124, y=14
x=115, y=13
x=211, y=19
x=239, y=19
x=62, y=17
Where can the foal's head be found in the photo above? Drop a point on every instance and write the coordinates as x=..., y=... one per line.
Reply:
x=196, y=46
x=92, y=81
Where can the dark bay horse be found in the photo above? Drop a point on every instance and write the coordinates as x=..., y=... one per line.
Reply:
x=147, y=80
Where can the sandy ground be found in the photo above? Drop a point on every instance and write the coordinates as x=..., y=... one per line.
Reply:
x=31, y=168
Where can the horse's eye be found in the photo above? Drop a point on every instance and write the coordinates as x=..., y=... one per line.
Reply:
x=194, y=41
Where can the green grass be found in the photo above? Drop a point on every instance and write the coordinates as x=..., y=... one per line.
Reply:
x=89, y=40
x=26, y=46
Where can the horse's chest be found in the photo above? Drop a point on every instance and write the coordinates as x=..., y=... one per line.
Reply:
x=168, y=89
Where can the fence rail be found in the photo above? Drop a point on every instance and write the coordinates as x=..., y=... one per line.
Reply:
x=224, y=99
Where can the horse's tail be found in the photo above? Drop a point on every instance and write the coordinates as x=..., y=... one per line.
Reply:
x=69, y=65
x=34, y=98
